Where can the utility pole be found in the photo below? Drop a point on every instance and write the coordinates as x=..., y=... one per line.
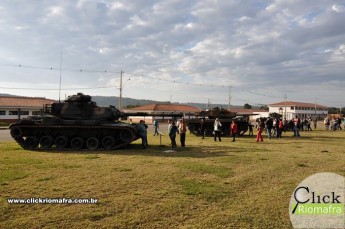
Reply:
x=229, y=105
x=208, y=103
x=120, y=99
x=285, y=97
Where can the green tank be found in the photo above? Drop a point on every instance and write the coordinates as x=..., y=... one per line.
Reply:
x=76, y=123
x=225, y=117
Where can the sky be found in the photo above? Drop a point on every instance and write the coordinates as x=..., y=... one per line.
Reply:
x=206, y=51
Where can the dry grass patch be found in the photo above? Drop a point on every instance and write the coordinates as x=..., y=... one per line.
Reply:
x=205, y=185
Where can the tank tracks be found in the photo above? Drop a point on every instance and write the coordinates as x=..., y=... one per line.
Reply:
x=66, y=137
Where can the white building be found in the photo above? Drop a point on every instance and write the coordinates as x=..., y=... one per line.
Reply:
x=186, y=110
x=290, y=109
x=255, y=113
x=13, y=108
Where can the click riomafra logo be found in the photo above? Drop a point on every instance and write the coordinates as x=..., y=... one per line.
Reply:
x=318, y=202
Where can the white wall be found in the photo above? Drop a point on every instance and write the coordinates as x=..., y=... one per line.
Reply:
x=15, y=117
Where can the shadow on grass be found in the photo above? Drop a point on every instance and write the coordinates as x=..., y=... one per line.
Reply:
x=155, y=151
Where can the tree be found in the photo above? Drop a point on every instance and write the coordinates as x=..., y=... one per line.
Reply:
x=247, y=106
x=132, y=106
x=334, y=110
x=264, y=107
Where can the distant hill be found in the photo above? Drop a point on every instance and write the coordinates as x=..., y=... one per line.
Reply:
x=114, y=101
x=2, y=94
x=105, y=101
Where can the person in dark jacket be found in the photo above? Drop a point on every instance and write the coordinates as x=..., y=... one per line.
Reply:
x=269, y=126
x=173, y=130
x=142, y=131
x=202, y=128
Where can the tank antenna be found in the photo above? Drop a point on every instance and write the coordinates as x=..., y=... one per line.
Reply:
x=60, y=74
x=229, y=105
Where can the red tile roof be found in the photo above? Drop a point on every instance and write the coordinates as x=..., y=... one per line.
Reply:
x=296, y=104
x=167, y=107
x=246, y=111
x=14, y=101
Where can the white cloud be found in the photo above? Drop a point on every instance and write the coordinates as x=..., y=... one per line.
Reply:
x=251, y=45
x=338, y=8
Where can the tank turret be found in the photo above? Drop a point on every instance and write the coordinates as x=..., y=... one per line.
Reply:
x=216, y=112
x=81, y=107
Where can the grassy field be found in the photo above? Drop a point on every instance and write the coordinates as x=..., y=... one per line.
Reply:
x=205, y=185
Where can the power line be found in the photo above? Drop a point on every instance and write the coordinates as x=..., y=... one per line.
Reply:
x=55, y=89
x=57, y=68
x=144, y=77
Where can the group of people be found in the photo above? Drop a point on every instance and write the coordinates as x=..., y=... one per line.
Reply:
x=334, y=123
x=217, y=130
x=174, y=128
x=273, y=126
x=177, y=128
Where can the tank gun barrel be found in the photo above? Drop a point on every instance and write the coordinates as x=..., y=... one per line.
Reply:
x=161, y=114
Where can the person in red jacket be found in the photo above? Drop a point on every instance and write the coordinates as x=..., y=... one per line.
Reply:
x=261, y=126
x=233, y=130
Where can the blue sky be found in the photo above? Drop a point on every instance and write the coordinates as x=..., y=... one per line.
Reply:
x=183, y=51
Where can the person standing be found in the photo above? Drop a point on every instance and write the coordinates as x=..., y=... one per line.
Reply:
x=327, y=123
x=269, y=126
x=285, y=124
x=260, y=128
x=142, y=131
x=182, y=128
x=217, y=129
x=250, y=126
x=172, y=134
x=155, y=126
x=280, y=128
x=202, y=128
x=233, y=130
x=339, y=123
x=296, y=124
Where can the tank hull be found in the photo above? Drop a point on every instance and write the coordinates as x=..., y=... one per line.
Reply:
x=72, y=134
x=194, y=126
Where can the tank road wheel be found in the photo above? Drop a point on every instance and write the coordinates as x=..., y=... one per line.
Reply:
x=61, y=142
x=46, y=141
x=31, y=142
x=92, y=143
x=77, y=143
x=108, y=142
x=16, y=132
x=126, y=135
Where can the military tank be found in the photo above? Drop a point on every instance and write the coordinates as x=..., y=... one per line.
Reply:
x=74, y=124
x=225, y=117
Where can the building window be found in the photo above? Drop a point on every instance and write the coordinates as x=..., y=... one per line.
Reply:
x=24, y=112
x=36, y=112
x=2, y=112
x=13, y=112
x=292, y=108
